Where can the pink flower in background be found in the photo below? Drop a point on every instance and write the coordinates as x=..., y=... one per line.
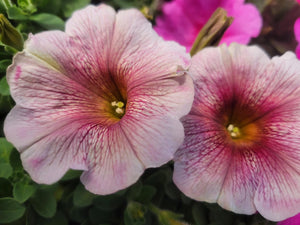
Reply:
x=242, y=144
x=104, y=97
x=297, y=35
x=181, y=20
x=295, y=220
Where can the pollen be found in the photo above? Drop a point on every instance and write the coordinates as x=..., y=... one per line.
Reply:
x=118, y=107
x=234, y=131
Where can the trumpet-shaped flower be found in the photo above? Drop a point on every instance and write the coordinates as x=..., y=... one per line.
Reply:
x=181, y=20
x=105, y=96
x=242, y=144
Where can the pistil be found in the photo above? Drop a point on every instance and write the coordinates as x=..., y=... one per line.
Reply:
x=234, y=131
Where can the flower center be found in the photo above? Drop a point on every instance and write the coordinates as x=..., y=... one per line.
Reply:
x=118, y=108
x=234, y=131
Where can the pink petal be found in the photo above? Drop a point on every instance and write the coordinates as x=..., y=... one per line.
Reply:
x=182, y=20
x=144, y=56
x=202, y=161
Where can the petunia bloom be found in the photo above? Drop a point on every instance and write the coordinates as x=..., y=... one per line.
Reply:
x=181, y=20
x=242, y=143
x=297, y=35
x=105, y=96
x=291, y=221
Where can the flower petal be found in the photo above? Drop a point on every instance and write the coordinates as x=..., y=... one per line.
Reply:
x=154, y=139
x=171, y=96
x=112, y=161
x=143, y=56
x=202, y=161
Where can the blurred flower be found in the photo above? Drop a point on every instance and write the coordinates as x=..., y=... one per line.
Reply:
x=104, y=97
x=242, y=141
x=297, y=35
x=291, y=221
x=181, y=20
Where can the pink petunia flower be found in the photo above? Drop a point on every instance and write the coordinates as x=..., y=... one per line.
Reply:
x=105, y=96
x=181, y=20
x=242, y=144
x=297, y=35
x=295, y=220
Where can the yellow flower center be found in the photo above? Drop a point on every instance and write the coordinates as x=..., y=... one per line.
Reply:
x=119, y=107
x=233, y=131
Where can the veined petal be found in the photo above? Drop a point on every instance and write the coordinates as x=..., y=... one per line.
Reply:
x=36, y=84
x=172, y=96
x=202, y=160
x=112, y=161
x=277, y=196
x=147, y=139
x=143, y=56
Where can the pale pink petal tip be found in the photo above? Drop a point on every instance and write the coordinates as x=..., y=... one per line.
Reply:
x=181, y=21
x=111, y=112
x=242, y=136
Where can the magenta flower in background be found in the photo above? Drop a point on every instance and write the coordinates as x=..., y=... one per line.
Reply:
x=295, y=220
x=242, y=144
x=297, y=35
x=104, y=97
x=181, y=20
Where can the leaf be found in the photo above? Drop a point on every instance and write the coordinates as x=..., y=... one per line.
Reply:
x=4, y=64
x=135, y=214
x=15, y=13
x=22, y=192
x=70, y=6
x=58, y=219
x=4, y=88
x=5, y=188
x=71, y=174
x=146, y=194
x=81, y=197
x=10, y=210
x=5, y=170
x=48, y=21
x=5, y=150
x=108, y=202
x=44, y=203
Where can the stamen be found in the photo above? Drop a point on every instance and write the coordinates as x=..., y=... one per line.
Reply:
x=119, y=107
x=233, y=131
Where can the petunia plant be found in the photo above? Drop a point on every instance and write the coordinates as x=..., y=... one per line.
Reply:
x=108, y=118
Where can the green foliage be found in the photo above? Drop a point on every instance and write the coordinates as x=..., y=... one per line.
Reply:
x=10, y=210
x=44, y=203
x=48, y=21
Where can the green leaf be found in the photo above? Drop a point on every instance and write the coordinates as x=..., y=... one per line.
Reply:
x=5, y=150
x=48, y=21
x=199, y=214
x=135, y=214
x=44, y=203
x=58, y=219
x=70, y=6
x=48, y=6
x=27, y=6
x=71, y=174
x=15, y=13
x=5, y=188
x=108, y=202
x=22, y=192
x=81, y=197
x=10, y=210
x=4, y=64
x=4, y=88
x=5, y=170
x=146, y=194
